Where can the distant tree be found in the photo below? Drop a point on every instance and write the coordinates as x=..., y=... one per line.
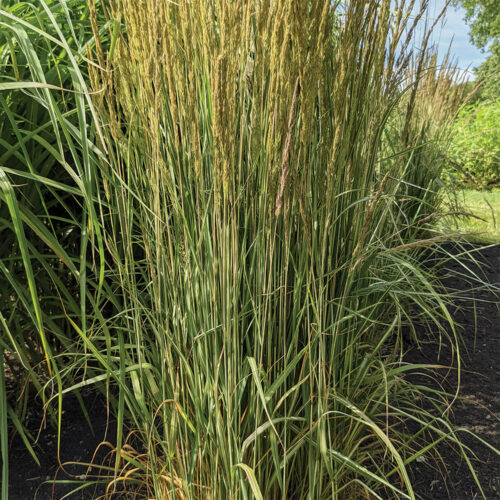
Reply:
x=483, y=17
x=490, y=70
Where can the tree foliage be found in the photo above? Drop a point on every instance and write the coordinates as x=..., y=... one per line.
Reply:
x=483, y=17
x=489, y=71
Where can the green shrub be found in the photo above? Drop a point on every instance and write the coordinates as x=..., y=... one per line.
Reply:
x=475, y=149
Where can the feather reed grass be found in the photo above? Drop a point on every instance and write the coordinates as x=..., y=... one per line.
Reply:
x=245, y=267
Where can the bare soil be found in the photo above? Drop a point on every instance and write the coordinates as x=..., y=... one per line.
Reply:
x=78, y=443
x=445, y=474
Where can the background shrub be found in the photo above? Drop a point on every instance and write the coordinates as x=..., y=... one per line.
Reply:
x=475, y=149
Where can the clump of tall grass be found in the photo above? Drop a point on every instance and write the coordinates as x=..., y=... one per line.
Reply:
x=254, y=243
x=242, y=275
x=418, y=136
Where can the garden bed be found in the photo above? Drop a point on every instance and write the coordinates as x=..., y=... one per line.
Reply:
x=449, y=477
x=78, y=444
x=478, y=407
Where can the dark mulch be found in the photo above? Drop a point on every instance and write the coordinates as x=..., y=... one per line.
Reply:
x=478, y=406
x=478, y=409
x=78, y=443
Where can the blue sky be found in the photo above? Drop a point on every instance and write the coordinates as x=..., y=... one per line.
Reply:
x=455, y=30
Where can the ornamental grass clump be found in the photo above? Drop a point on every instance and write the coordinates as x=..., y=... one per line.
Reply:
x=252, y=235
x=242, y=277
x=418, y=135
